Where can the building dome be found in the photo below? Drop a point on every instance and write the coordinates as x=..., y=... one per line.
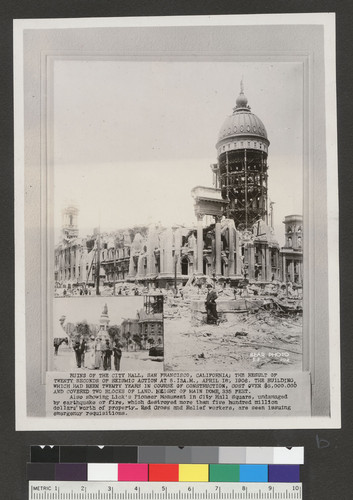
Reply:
x=242, y=124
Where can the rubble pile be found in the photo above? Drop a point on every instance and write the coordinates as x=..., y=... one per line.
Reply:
x=245, y=341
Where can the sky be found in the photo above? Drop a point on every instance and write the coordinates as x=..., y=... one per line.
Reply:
x=77, y=310
x=132, y=138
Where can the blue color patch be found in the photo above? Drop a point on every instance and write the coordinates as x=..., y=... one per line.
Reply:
x=284, y=473
x=256, y=473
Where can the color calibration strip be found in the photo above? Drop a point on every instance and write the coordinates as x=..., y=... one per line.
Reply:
x=95, y=490
x=244, y=473
x=168, y=454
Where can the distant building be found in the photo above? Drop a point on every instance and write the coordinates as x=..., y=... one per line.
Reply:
x=147, y=325
x=69, y=222
x=73, y=261
x=292, y=252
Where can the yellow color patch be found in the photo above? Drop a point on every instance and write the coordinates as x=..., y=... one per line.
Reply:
x=193, y=472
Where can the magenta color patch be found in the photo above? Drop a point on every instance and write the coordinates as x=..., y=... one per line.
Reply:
x=132, y=472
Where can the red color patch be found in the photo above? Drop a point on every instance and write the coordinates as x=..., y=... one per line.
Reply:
x=163, y=472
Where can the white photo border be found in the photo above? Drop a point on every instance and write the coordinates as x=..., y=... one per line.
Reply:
x=326, y=385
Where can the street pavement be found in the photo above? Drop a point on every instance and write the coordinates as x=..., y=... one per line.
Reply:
x=131, y=361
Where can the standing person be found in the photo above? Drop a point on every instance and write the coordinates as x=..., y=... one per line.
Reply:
x=90, y=355
x=117, y=355
x=79, y=348
x=98, y=354
x=211, y=306
x=107, y=363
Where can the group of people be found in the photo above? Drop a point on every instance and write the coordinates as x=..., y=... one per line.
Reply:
x=73, y=292
x=64, y=289
x=96, y=353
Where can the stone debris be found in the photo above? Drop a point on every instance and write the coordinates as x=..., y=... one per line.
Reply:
x=235, y=341
x=240, y=334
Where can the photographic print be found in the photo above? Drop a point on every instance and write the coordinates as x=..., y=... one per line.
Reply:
x=178, y=192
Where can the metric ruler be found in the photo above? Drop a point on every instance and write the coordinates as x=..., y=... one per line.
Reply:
x=91, y=490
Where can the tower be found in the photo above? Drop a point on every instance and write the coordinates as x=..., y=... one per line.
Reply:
x=241, y=172
x=244, y=243
x=69, y=222
x=294, y=231
x=104, y=319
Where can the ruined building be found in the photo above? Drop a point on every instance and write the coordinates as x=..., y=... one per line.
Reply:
x=233, y=238
x=239, y=203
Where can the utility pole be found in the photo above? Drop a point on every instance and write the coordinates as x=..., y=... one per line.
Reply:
x=114, y=279
x=176, y=256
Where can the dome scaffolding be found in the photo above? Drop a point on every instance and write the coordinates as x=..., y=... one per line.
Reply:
x=242, y=170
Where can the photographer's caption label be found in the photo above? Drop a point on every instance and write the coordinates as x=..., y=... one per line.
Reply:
x=107, y=394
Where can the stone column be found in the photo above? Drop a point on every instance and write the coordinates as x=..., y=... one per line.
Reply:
x=284, y=268
x=251, y=261
x=177, y=248
x=277, y=264
x=132, y=271
x=232, y=236
x=268, y=264
x=263, y=263
x=291, y=271
x=300, y=273
x=166, y=253
x=150, y=251
x=218, y=245
x=161, y=253
x=83, y=265
x=199, y=244
x=169, y=263
x=238, y=261
x=140, y=266
x=71, y=264
x=77, y=263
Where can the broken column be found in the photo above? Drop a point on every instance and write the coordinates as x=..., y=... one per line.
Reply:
x=218, y=245
x=232, y=236
x=199, y=244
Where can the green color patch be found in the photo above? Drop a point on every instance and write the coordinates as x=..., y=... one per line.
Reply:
x=224, y=472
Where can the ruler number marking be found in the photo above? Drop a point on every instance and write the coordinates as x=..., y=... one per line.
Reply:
x=106, y=491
